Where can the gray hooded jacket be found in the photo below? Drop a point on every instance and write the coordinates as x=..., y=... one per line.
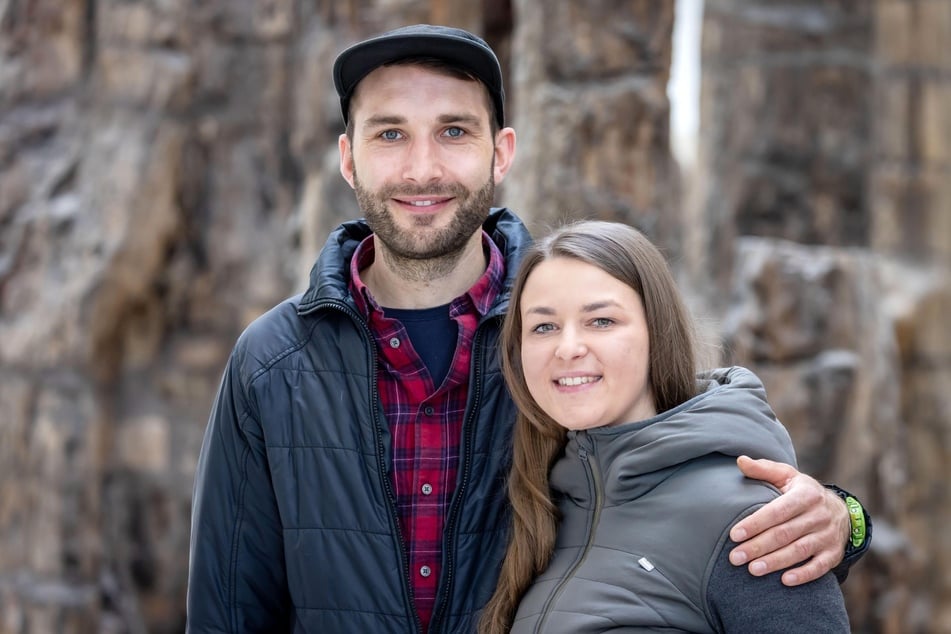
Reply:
x=647, y=508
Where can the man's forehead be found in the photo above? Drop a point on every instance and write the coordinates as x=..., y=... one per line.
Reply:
x=400, y=92
x=398, y=74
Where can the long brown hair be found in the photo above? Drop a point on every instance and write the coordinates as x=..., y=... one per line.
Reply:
x=627, y=255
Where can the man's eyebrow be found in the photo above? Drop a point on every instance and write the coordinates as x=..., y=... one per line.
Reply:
x=383, y=119
x=468, y=119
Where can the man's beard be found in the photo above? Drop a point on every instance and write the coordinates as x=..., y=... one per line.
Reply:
x=425, y=253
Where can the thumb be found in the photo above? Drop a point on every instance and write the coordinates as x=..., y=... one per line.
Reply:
x=776, y=473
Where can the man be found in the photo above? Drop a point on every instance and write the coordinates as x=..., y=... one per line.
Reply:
x=352, y=473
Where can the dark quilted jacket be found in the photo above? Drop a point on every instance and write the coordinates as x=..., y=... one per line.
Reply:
x=294, y=526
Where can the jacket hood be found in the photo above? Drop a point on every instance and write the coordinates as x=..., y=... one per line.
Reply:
x=330, y=275
x=731, y=417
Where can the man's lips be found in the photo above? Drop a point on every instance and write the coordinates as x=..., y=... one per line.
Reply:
x=423, y=203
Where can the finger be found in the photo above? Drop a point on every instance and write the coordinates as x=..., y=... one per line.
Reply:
x=779, y=511
x=796, y=553
x=783, y=539
x=776, y=473
x=804, y=498
x=809, y=571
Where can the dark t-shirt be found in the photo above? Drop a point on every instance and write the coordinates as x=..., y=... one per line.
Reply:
x=433, y=335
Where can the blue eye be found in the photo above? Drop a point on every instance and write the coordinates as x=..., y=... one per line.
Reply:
x=455, y=132
x=390, y=135
x=543, y=328
x=602, y=322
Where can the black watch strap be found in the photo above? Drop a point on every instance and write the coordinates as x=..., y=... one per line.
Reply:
x=860, y=532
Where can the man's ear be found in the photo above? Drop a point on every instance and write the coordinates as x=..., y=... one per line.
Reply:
x=504, y=153
x=346, y=158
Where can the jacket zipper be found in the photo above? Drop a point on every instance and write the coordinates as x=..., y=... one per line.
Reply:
x=452, y=520
x=590, y=461
x=381, y=456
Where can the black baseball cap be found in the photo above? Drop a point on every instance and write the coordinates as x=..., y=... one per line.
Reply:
x=456, y=46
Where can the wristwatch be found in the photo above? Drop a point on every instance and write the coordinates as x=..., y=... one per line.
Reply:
x=860, y=532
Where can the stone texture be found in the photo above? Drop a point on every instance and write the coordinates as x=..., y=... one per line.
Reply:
x=168, y=170
x=784, y=125
x=592, y=114
x=843, y=144
x=859, y=390
x=910, y=176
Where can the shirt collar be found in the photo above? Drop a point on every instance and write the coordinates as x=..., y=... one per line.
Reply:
x=482, y=294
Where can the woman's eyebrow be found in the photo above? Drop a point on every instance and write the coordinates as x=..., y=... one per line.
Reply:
x=604, y=303
x=540, y=310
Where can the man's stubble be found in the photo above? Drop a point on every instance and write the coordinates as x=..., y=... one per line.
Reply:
x=423, y=253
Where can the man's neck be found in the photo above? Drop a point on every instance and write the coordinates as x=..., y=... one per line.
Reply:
x=400, y=283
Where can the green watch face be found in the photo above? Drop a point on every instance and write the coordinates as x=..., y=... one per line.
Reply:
x=856, y=520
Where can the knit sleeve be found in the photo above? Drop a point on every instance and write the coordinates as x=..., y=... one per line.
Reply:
x=739, y=602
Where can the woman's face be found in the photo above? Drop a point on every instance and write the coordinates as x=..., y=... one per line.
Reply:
x=584, y=345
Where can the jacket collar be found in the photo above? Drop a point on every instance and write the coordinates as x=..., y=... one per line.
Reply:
x=329, y=278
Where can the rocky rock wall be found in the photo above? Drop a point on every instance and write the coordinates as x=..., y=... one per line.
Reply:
x=168, y=171
x=592, y=114
x=824, y=210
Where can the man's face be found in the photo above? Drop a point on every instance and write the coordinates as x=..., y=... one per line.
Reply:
x=423, y=159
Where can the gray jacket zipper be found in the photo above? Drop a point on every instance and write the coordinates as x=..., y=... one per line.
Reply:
x=593, y=469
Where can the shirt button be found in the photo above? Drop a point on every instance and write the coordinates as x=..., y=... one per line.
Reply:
x=427, y=489
x=428, y=410
x=425, y=571
x=394, y=342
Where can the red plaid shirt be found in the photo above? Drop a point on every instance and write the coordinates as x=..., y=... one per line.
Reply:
x=425, y=422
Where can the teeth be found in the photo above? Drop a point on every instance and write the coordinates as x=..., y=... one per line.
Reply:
x=577, y=380
x=423, y=203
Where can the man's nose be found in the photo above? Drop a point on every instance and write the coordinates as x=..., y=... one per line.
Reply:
x=423, y=162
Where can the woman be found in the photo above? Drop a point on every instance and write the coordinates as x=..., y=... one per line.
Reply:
x=624, y=484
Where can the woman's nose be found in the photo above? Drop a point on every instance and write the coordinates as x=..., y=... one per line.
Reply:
x=570, y=345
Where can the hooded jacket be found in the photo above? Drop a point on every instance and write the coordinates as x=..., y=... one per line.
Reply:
x=647, y=508
x=295, y=524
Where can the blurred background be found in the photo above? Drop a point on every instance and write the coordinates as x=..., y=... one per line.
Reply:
x=168, y=171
